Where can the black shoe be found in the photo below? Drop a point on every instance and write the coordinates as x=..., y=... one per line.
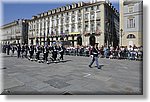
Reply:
x=90, y=66
x=99, y=67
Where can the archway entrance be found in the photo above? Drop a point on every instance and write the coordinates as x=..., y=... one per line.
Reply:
x=92, y=40
x=37, y=41
x=48, y=41
x=79, y=40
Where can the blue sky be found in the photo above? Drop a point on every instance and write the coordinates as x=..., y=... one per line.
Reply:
x=17, y=10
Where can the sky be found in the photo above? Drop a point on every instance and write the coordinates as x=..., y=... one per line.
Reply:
x=19, y=10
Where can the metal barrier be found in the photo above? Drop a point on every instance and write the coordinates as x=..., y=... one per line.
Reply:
x=133, y=55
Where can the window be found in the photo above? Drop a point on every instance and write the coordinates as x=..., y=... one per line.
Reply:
x=79, y=11
x=86, y=26
x=98, y=24
x=130, y=36
x=73, y=28
x=92, y=27
x=73, y=18
x=57, y=21
x=98, y=14
x=92, y=16
x=72, y=12
x=130, y=9
x=79, y=26
x=131, y=23
x=86, y=9
x=86, y=16
x=97, y=7
x=92, y=8
x=79, y=18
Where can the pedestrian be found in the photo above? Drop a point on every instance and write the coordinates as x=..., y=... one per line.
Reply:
x=12, y=50
x=61, y=51
x=54, y=51
x=26, y=50
x=31, y=51
x=18, y=50
x=22, y=50
x=45, y=52
x=38, y=51
x=94, y=55
x=8, y=48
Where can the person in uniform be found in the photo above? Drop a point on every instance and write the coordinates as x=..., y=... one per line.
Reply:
x=61, y=51
x=26, y=50
x=8, y=49
x=38, y=51
x=94, y=54
x=54, y=51
x=12, y=50
x=31, y=51
x=18, y=50
x=22, y=50
x=45, y=53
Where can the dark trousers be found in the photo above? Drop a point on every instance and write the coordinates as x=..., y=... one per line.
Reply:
x=45, y=57
x=22, y=54
x=62, y=56
x=37, y=55
x=54, y=55
x=18, y=54
x=8, y=52
x=31, y=54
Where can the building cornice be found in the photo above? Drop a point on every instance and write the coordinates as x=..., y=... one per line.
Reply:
x=72, y=7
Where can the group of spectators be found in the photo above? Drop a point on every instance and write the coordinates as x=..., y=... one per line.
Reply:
x=123, y=52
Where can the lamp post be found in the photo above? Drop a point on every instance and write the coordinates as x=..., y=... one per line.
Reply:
x=121, y=30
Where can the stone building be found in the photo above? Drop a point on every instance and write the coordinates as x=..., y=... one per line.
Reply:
x=15, y=32
x=131, y=22
x=76, y=24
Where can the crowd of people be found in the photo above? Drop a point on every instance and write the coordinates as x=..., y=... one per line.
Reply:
x=131, y=52
x=57, y=51
x=37, y=52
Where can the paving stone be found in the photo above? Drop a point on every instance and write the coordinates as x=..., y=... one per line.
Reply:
x=73, y=77
x=11, y=82
x=37, y=85
x=20, y=90
x=57, y=83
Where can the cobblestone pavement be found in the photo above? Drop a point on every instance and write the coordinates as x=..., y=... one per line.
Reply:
x=72, y=76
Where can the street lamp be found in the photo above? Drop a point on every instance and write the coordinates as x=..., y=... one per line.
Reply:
x=121, y=30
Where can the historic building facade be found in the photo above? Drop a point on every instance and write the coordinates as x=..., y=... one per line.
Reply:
x=131, y=22
x=76, y=24
x=15, y=32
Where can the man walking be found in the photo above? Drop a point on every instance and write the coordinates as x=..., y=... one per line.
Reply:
x=18, y=50
x=54, y=51
x=31, y=51
x=26, y=50
x=94, y=54
x=46, y=52
x=22, y=50
x=38, y=51
x=61, y=51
